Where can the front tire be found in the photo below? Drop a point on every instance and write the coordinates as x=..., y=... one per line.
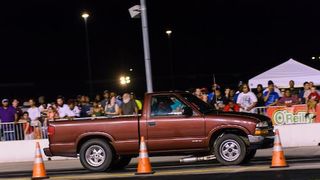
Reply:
x=96, y=155
x=230, y=149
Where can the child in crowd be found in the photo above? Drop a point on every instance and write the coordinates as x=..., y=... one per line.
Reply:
x=312, y=101
x=97, y=109
x=27, y=128
x=52, y=114
x=231, y=107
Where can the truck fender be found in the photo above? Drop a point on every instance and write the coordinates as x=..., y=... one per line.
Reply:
x=224, y=127
x=92, y=134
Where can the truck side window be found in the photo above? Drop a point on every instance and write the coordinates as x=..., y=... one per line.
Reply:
x=166, y=106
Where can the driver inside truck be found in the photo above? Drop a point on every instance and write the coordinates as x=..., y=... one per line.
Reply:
x=176, y=105
x=160, y=106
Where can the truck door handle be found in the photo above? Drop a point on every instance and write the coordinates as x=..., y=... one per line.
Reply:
x=152, y=123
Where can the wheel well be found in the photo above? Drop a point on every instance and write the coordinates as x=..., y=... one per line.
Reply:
x=218, y=133
x=87, y=138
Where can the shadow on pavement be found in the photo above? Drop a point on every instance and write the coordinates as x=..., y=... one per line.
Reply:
x=310, y=174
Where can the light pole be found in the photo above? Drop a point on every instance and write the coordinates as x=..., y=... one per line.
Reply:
x=85, y=17
x=137, y=12
x=145, y=34
x=169, y=32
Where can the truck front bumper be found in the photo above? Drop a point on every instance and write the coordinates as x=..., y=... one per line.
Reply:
x=261, y=142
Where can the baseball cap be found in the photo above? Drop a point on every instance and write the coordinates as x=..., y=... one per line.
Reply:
x=216, y=85
x=270, y=82
x=105, y=91
x=5, y=100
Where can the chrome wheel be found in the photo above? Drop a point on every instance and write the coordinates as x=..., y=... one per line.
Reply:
x=230, y=150
x=95, y=155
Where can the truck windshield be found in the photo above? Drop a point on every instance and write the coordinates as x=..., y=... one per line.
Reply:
x=198, y=103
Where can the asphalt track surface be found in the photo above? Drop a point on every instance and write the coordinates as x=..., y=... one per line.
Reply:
x=300, y=168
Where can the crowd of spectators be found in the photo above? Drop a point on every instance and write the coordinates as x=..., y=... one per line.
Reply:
x=34, y=115
x=245, y=100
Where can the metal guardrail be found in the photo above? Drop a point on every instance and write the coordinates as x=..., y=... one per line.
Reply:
x=17, y=131
x=263, y=110
x=260, y=110
x=22, y=131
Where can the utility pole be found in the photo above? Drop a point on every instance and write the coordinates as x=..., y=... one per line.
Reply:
x=147, y=59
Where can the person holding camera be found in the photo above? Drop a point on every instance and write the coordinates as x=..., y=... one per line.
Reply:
x=270, y=96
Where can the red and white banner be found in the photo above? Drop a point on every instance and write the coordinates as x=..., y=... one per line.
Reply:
x=296, y=114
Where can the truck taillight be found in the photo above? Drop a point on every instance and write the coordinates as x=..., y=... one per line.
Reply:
x=51, y=130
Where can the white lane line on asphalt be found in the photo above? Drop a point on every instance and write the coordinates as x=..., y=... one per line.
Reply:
x=164, y=173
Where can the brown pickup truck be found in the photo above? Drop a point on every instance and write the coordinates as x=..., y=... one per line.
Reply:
x=173, y=123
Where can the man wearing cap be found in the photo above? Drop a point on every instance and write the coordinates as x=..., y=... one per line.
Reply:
x=270, y=96
x=8, y=115
x=275, y=88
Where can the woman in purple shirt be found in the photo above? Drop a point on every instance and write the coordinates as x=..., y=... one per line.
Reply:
x=288, y=100
x=8, y=115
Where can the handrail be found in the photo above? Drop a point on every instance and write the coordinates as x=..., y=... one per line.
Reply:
x=12, y=131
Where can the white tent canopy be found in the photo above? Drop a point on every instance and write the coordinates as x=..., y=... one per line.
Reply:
x=283, y=73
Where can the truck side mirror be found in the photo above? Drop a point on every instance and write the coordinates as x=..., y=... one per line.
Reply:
x=187, y=111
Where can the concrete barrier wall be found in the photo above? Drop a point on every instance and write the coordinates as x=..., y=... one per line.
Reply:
x=291, y=136
x=297, y=135
x=20, y=151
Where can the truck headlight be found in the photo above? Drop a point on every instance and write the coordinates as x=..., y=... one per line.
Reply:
x=261, y=128
x=263, y=124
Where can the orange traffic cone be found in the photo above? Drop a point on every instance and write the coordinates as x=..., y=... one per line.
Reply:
x=39, y=171
x=144, y=166
x=278, y=159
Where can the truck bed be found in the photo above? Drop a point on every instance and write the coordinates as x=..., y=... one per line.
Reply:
x=123, y=130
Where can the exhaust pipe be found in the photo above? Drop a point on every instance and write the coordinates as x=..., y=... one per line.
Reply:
x=196, y=159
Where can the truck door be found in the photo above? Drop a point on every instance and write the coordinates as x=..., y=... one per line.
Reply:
x=169, y=129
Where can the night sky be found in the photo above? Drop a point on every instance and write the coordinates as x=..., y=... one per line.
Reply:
x=43, y=47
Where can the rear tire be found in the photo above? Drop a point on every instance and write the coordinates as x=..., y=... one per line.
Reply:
x=230, y=149
x=120, y=163
x=96, y=155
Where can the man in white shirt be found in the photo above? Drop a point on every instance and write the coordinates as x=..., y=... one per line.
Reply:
x=34, y=113
x=75, y=109
x=63, y=109
x=247, y=100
